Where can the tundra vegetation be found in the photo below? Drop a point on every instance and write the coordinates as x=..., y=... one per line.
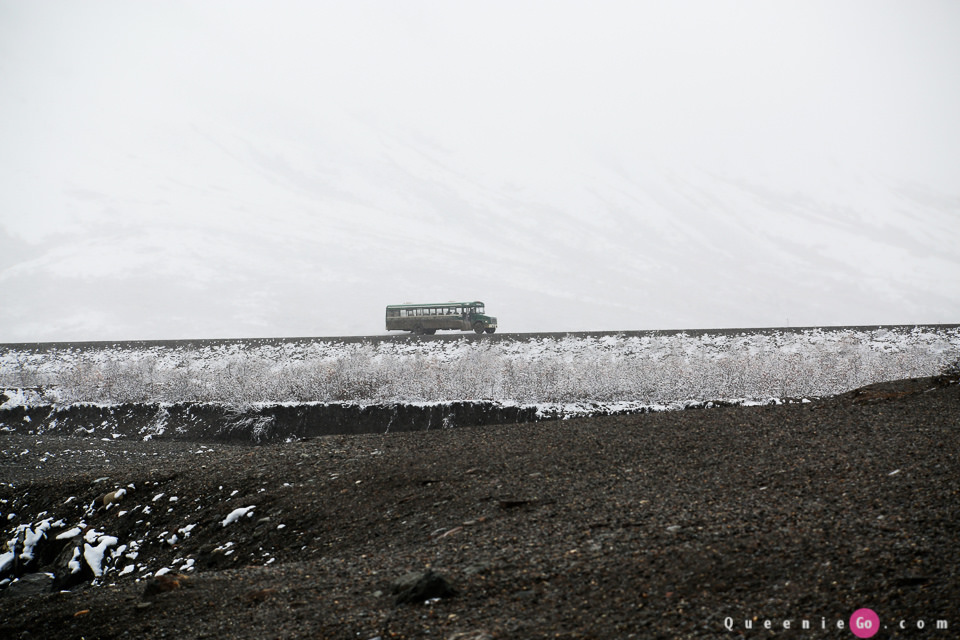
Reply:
x=652, y=370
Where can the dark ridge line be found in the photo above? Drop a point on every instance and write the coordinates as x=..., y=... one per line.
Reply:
x=93, y=345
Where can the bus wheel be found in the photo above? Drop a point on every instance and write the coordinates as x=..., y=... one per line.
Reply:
x=491, y=329
x=417, y=330
x=478, y=327
x=429, y=332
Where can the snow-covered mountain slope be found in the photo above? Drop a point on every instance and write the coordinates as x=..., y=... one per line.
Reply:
x=220, y=232
x=176, y=170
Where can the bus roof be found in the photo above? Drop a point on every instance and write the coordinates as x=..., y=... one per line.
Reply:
x=409, y=305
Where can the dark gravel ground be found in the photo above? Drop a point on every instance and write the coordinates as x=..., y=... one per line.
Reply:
x=646, y=526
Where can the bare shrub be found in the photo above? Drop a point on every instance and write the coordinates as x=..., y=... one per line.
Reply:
x=650, y=369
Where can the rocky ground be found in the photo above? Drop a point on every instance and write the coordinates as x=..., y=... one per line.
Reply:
x=692, y=524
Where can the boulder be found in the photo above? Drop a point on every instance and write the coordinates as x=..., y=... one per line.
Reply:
x=163, y=583
x=70, y=568
x=30, y=584
x=419, y=586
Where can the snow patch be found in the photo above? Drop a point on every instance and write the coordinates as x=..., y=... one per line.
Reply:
x=236, y=514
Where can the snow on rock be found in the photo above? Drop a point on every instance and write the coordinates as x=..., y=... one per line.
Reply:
x=74, y=562
x=236, y=514
x=85, y=552
x=6, y=561
x=95, y=549
x=32, y=536
x=70, y=533
x=19, y=398
x=26, y=538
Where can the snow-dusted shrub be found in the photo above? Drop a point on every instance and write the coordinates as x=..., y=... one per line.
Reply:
x=651, y=369
x=20, y=373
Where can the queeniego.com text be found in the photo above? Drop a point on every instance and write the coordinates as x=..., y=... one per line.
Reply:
x=788, y=624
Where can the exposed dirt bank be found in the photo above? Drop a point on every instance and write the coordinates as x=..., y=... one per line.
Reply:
x=272, y=423
x=215, y=422
x=649, y=526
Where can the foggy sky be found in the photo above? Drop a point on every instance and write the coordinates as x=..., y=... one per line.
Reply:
x=120, y=122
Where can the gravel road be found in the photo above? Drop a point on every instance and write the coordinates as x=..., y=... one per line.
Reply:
x=447, y=336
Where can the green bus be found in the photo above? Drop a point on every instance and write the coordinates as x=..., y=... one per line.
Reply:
x=427, y=318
